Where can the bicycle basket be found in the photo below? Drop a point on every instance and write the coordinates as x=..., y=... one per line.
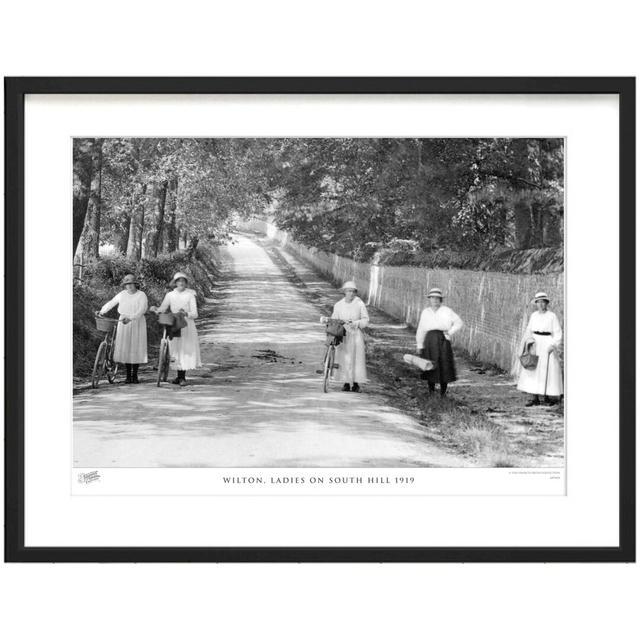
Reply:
x=105, y=324
x=334, y=340
x=165, y=319
x=335, y=328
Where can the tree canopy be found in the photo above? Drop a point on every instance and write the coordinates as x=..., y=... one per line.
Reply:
x=348, y=195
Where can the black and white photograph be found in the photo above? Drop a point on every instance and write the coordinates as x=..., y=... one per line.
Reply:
x=318, y=302
x=332, y=326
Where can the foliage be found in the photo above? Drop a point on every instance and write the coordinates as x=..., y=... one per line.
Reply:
x=342, y=194
x=185, y=188
x=102, y=282
x=337, y=194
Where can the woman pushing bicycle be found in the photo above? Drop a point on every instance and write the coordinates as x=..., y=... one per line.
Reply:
x=350, y=355
x=131, y=336
x=184, y=348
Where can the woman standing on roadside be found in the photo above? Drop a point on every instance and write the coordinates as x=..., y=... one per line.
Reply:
x=437, y=324
x=185, y=348
x=544, y=332
x=350, y=354
x=131, y=336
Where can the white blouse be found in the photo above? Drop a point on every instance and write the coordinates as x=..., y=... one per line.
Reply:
x=356, y=311
x=176, y=300
x=443, y=318
x=130, y=305
x=547, y=322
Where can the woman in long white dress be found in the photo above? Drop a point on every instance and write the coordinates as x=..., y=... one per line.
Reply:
x=184, y=350
x=544, y=332
x=131, y=335
x=350, y=354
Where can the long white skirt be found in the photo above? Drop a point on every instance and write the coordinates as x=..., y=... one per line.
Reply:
x=131, y=342
x=185, y=350
x=350, y=356
x=538, y=381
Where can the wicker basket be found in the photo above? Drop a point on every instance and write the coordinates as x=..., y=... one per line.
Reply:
x=166, y=319
x=105, y=324
x=335, y=328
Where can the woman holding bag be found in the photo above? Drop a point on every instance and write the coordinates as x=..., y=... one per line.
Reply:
x=542, y=337
x=184, y=349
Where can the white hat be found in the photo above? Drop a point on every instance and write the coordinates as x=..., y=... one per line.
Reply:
x=179, y=275
x=350, y=284
x=541, y=295
x=436, y=292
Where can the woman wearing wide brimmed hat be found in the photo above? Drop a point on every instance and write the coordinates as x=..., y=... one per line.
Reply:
x=131, y=336
x=433, y=341
x=542, y=337
x=185, y=348
x=350, y=354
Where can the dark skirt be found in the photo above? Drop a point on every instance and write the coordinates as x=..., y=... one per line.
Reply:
x=438, y=349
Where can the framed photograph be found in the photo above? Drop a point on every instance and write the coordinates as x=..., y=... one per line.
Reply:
x=320, y=319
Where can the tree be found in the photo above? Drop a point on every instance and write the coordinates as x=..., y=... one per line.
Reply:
x=171, y=243
x=82, y=169
x=136, y=223
x=89, y=243
x=154, y=237
x=345, y=195
x=121, y=234
x=352, y=196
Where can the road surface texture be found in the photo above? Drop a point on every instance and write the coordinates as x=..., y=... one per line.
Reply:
x=534, y=436
x=520, y=437
x=257, y=401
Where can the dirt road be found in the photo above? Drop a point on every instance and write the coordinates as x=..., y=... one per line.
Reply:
x=257, y=401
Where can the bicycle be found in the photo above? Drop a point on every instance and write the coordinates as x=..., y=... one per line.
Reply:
x=164, y=357
x=104, y=363
x=335, y=335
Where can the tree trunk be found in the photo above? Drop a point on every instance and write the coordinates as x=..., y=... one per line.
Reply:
x=121, y=235
x=172, y=231
x=89, y=243
x=553, y=220
x=537, y=225
x=193, y=245
x=82, y=170
x=522, y=218
x=154, y=238
x=136, y=226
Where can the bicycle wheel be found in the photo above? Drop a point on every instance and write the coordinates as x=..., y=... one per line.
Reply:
x=163, y=362
x=110, y=367
x=167, y=361
x=328, y=366
x=98, y=365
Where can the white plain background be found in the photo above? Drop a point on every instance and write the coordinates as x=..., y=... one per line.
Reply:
x=341, y=601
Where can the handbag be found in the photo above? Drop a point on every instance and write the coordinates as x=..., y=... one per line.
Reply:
x=527, y=359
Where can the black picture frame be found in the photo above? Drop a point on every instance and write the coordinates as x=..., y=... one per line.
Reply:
x=15, y=91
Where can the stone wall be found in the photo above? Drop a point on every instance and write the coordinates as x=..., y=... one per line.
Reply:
x=495, y=307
